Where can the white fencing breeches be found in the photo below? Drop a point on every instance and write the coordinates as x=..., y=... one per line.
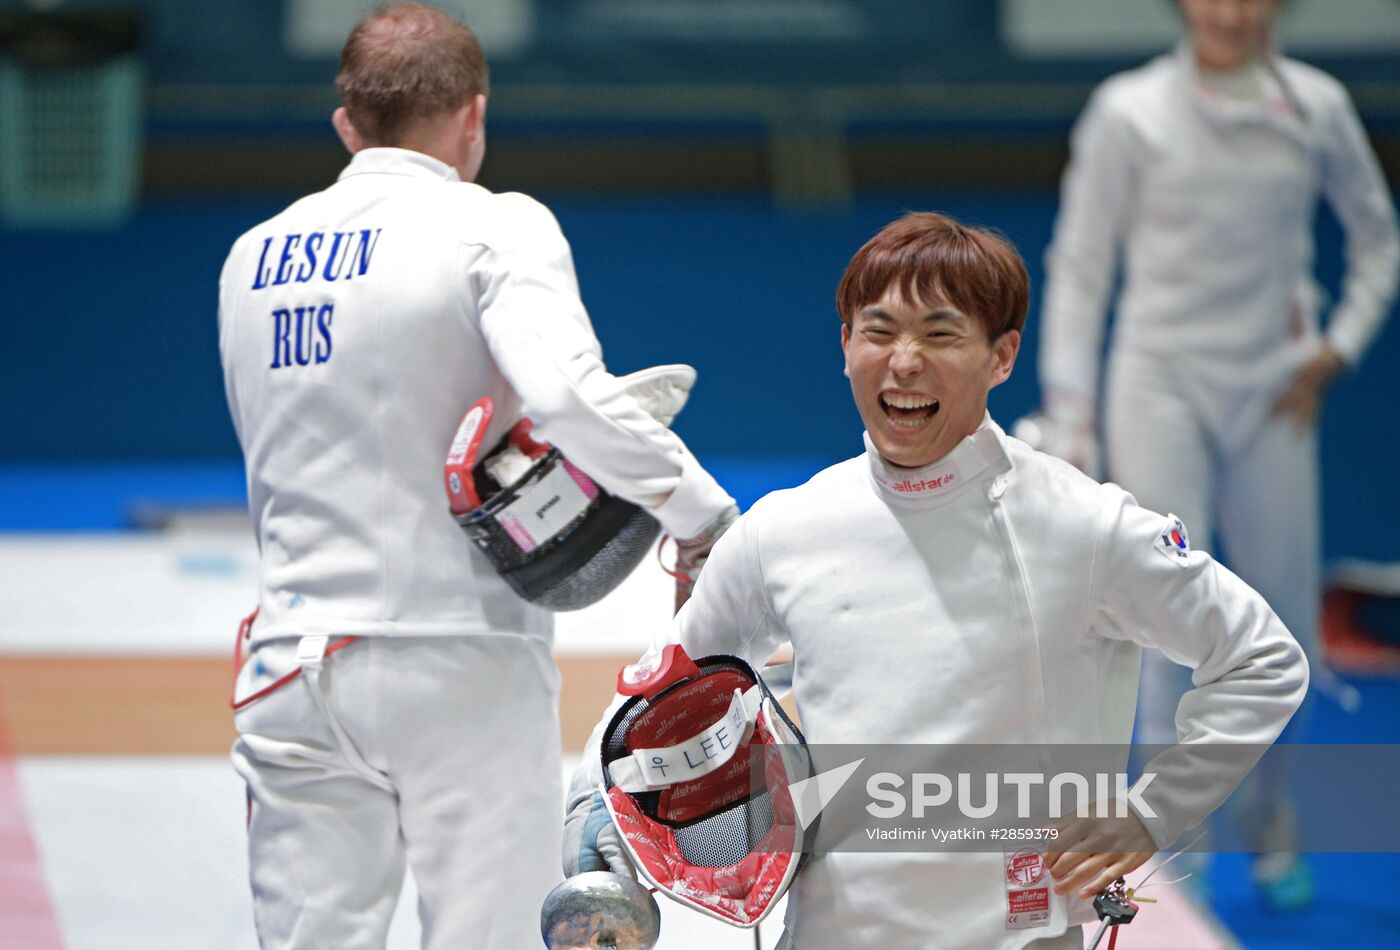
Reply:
x=440, y=754
x=1256, y=490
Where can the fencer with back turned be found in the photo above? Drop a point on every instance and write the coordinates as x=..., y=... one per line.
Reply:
x=399, y=709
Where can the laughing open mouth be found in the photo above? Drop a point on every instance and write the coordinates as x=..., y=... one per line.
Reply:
x=908, y=409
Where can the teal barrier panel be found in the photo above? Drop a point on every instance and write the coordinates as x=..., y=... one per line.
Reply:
x=71, y=107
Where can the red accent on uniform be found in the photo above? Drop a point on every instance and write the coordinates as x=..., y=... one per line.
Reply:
x=673, y=667
x=519, y=436
x=660, y=546
x=245, y=630
x=463, y=497
x=925, y=484
x=1025, y=868
x=1032, y=901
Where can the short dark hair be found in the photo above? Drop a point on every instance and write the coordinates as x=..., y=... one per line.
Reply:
x=404, y=62
x=930, y=256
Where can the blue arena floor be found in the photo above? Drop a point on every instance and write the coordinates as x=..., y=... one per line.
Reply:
x=1355, y=905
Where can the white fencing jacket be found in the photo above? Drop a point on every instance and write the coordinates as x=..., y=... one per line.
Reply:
x=355, y=328
x=996, y=596
x=1211, y=200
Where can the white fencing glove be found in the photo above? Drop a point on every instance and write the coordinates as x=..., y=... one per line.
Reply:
x=691, y=554
x=661, y=390
x=1064, y=429
x=591, y=840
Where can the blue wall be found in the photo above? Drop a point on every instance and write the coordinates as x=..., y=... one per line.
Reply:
x=112, y=352
x=241, y=42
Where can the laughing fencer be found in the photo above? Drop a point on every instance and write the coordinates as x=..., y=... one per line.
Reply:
x=951, y=586
x=1201, y=172
x=355, y=328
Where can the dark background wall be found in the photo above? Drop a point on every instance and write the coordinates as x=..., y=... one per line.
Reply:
x=713, y=182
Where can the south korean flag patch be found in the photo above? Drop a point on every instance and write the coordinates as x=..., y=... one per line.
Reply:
x=1173, y=542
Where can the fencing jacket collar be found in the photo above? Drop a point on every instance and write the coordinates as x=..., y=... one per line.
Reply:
x=1278, y=106
x=975, y=459
x=398, y=161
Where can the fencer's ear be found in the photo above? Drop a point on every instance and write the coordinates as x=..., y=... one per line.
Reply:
x=1004, y=352
x=475, y=118
x=349, y=135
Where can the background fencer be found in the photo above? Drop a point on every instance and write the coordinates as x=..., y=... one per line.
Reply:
x=1201, y=172
x=952, y=586
x=355, y=328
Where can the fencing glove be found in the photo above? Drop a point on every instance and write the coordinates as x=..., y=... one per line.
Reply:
x=591, y=840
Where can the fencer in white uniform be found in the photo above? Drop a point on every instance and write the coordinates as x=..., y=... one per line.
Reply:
x=1201, y=171
x=355, y=329
x=951, y=586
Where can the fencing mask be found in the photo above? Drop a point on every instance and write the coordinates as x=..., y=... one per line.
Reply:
x=697, y=767
x=557, y=537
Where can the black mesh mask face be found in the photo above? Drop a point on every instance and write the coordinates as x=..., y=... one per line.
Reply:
x=557, y=538
x=577, y=566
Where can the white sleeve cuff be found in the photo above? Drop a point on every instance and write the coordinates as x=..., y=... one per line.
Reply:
x=1349, y=339
x=694, y=504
